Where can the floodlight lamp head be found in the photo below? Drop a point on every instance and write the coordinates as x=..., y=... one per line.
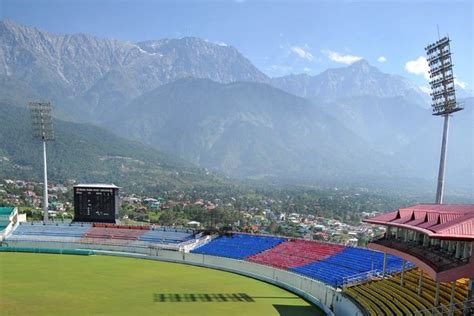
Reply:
x=41, y=120
x=443, y=93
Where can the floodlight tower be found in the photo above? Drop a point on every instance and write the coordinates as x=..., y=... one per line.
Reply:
x=42, y=124
x=443, y=97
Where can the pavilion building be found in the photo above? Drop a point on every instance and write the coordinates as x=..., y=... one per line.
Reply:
x=438, y=238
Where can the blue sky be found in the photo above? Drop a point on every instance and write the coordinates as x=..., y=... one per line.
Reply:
x=279, y=37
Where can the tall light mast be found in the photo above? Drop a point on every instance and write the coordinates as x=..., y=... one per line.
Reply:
x=443, y=97
x=42, y=125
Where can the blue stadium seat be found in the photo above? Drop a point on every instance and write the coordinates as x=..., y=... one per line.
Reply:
x=238, y=246
x=325, y=272
x=363, y=260
x=349, y=262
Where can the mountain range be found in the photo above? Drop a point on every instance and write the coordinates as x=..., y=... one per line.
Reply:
x=244, y=129
x=207, y=104
x=358, y=79
x=88, y=77
x=97, y=75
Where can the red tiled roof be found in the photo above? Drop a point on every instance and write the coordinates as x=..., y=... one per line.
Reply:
x=454, y=221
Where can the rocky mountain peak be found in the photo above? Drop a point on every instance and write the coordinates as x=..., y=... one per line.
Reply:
x=9, y=24
x=358, y=79
x=363, y=66
x=187, y=43
x=102, y=73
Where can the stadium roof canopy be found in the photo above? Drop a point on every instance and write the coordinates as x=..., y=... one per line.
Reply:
x=444, y=221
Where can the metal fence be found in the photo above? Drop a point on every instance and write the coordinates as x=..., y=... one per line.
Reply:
x=466, y=308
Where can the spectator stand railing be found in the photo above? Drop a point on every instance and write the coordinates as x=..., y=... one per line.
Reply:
x=466, y=308
x=358, y=278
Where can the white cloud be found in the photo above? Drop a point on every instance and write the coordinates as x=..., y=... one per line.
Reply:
x=460, y=83
x=418, y=67
x=381, y=59
x=307, y=69
x=302, y=53
x=342, y=58
x=421, y=67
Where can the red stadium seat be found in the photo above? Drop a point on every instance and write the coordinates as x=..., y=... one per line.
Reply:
x=295, y=253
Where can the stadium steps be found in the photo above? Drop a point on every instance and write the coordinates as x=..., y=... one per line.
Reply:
x=429, y=286
x=371, y=308
x=426, y=297
x=406, y=298
x=461, y=287
x=419, y=302
x=388, y=292
x=383, y=296
x=394, y=302
x=426, y=292
x=376, y=301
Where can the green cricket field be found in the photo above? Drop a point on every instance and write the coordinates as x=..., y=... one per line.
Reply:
x=51, y=284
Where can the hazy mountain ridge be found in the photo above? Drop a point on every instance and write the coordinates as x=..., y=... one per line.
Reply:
x=378, y=119
x=358, y=79
x=423, y=152
x=408, y=133
x=267, y=132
